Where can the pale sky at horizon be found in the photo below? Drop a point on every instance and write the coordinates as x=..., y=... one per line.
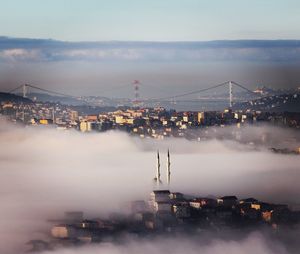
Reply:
x=84, y=69
x=156, y=20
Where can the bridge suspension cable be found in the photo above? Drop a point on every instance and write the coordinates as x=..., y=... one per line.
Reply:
x=192, y=92
x=204, y=90
x=41, y=89
x=52, y=92
x=245, y=88
x=64, y=94
x=15, y=89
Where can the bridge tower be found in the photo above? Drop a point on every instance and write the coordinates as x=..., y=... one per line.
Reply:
x=25, y=90
x=230, y=94
x=136, y=88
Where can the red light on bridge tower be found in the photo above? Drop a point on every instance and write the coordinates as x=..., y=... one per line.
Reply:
x=136, y=87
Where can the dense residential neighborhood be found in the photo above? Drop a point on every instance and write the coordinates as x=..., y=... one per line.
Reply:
x=157, y=123
x=169, y=213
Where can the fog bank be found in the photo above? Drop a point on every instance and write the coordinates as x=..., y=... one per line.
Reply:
x=45, y=172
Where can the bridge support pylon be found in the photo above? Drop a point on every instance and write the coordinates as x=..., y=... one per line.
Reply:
x=230, y=94
x=24, y=87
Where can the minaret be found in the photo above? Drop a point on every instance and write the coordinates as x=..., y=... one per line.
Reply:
x=168, y=169
x=158, y=169
x=157, y=177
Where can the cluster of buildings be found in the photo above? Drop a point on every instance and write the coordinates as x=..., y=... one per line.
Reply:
x=40, y=113
x=272, y=102
x=157, y=123
x=171, y=213
x=160, y=123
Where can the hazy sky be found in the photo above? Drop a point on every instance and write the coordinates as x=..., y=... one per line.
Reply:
x=163, y=68
x=87, y=68
x=154, y=20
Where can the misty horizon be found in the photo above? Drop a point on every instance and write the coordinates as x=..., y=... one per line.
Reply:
x=87, y=68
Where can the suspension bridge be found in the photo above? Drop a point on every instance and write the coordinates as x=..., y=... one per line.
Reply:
x=25, y=89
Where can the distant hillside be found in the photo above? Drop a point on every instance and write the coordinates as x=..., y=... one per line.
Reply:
x=86, y=100
x=275, y=103
x=8, y=97
x=42, y=97
x=12, y=42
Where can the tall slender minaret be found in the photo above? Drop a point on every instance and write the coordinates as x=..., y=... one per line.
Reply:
x=157, y=177
x=168, y=169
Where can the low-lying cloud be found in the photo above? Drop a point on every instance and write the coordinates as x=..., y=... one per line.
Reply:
x=253, y=243
x=50, y=50
x=45, y=172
